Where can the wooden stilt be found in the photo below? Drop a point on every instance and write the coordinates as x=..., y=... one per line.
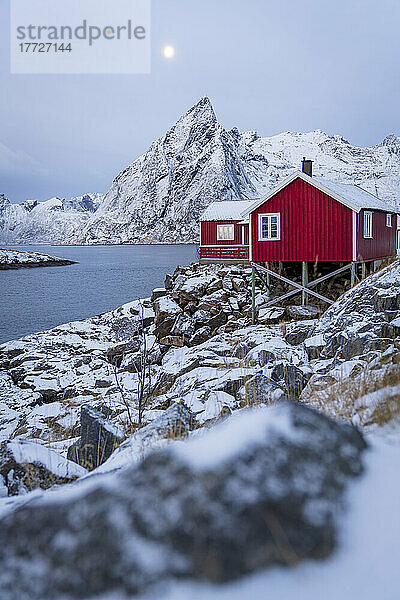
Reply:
x=363, y=270
x=304, y=282
x=253, y=296
x=268, y=278
x=353, y=274
x=311, y=285
x=299, y=288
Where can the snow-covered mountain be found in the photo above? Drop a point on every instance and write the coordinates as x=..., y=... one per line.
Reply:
x=160, y=196
x=53, y=221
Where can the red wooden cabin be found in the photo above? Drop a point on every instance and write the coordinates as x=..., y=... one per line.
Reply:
x=303, y=219
x=223, y=233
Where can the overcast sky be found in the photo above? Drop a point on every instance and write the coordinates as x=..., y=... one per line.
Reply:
x=271, y=66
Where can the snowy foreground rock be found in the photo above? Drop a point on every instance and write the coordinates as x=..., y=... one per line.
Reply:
x=17, y=259
x=263, y=488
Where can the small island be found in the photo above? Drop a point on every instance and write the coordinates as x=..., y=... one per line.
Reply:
x=18, y=259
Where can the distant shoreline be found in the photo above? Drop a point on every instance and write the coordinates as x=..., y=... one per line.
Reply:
x=102, y=245
x=52, y=263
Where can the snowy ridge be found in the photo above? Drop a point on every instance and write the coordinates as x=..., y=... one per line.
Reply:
x=160, y=196
x=53, y=221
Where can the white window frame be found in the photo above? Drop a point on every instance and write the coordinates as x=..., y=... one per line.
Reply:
x=368, y=224
x=260, y=228
x=388, y=220
x=222, y=238
x=398, y=221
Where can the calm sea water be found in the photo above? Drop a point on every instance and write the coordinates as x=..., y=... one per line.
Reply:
x=105, y=277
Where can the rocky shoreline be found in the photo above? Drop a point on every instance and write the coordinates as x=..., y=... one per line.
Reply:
x=18, y=259
x=175, y=410
x=193, y=342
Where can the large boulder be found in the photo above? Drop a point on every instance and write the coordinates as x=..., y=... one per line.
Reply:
x=165, y=307
x=260, y=389
x=270, y=315
x=200, y=336
x=296, y=333
x=303, y=312
x=99, y=438
x=166, y=311
x=192, y=288
x=158, y=293
x=265, y=487
x=292, y=378
x=26, y=466
x=173, y=340
x=173, y=423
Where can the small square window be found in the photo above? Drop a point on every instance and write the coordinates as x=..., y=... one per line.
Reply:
x=225, y=232
x=388, y=220
x=269, y=227
x=367, y=224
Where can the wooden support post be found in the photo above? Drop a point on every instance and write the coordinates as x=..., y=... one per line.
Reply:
x=363, y=270
x=268, y=279
x=253, y=295
x=304, y=282
x=353, y=274
x=299, y=288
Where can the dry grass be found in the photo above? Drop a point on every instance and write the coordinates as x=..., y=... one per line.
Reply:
x=344, y=398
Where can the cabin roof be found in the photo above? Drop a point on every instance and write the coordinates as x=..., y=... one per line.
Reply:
x=357, y=196
x=352, y=196
x=226, y=210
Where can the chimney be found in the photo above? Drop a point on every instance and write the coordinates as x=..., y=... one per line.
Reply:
x=307, y=166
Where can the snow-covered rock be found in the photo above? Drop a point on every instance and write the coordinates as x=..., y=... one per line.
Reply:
x=171, y=424
x=26, y=465
x=264, y=487
x=16, y=259
x=355, y=352
x=361, y=319
x=98, y=440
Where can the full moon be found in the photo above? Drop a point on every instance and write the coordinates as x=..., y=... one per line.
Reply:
x=169, y=52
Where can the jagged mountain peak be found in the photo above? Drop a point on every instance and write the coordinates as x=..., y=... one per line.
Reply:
x=195, y=128
x=202, y=107
x=159, y=197
x=391, y=141
x=201, y=113
x=4, y=201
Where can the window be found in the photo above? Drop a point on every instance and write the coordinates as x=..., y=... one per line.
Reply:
x=225, y=232
x=269, y=227
x=388, y=220
x=368, y=224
